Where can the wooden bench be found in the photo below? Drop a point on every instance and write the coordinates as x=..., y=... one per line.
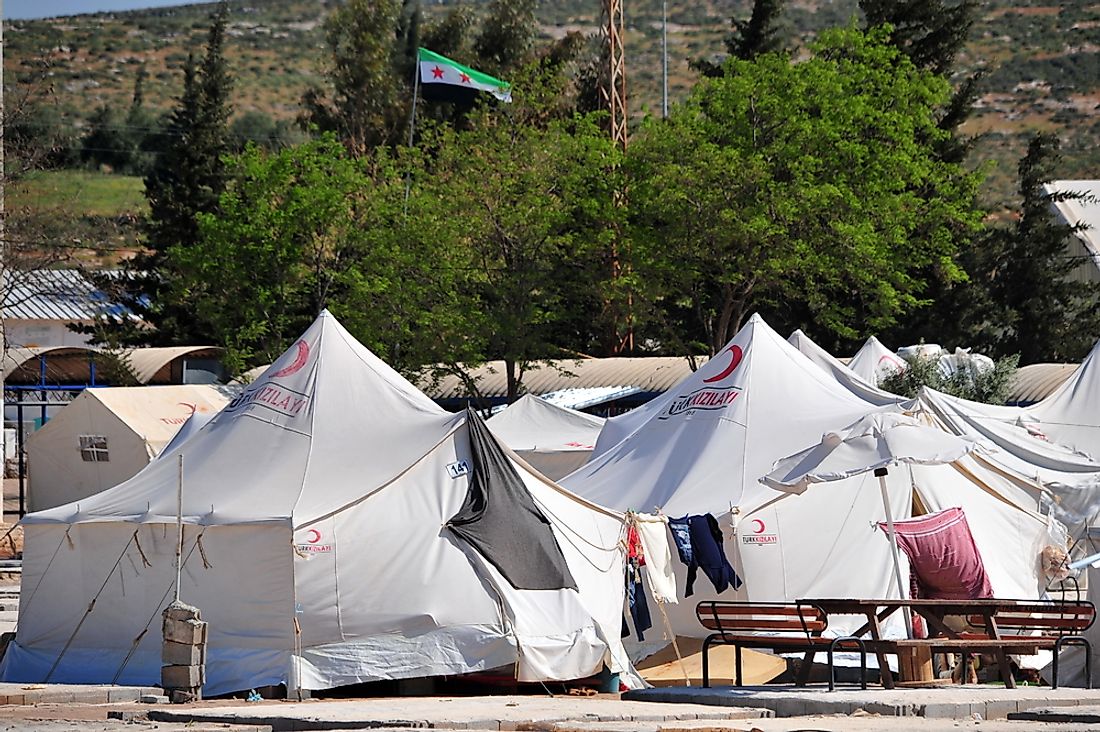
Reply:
x=780, y=627
x=1041, y=625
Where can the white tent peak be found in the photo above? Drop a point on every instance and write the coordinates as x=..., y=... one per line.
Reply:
x=327, y=418
x=847, y=378
x=701, y=446
x=874, y=361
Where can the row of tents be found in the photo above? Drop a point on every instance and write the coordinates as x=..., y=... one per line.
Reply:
x=328, y=507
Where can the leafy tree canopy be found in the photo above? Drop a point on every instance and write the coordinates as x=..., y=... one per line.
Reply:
x=812, y=182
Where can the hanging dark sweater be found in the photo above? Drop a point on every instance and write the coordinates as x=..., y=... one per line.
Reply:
x=501, y=521
x=698, y=541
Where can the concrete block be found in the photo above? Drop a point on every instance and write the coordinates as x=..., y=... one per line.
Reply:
x=999, y=709
x=789, y=708
x=182, y=677
x=192, y=632
x=153, y=699
x=13, y=699
x=946, y=711
x=182, y=654
x=181, y=611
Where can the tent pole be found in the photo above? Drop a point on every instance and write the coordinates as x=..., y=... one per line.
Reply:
x=179, y=529
x=880, y=473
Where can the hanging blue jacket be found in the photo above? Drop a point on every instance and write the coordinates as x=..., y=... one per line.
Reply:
x=698, y=541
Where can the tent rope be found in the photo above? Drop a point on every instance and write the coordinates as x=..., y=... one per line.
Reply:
x=46, y=571
x=91, y=606
x=675, y=644
x=202, y=552
x=148, y=623
x=144, y=559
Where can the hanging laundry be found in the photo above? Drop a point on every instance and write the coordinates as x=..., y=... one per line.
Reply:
x=704, y=547
x=635, y=595
x=651, y=532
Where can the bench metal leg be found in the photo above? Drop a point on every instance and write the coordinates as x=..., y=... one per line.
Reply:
x=706, y=659
x=737, y=665
x=1072, y=640
x=862, y=660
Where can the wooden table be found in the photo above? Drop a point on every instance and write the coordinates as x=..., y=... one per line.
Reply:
x=933, y=611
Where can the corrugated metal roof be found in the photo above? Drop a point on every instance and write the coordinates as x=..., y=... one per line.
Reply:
x=1038, y=381
x=71, y=364
x=655, y=374
x=148, y=363
x=54, y=294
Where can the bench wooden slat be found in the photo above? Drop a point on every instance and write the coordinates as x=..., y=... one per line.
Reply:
x=759, y=624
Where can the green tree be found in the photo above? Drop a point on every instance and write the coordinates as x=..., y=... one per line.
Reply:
x=1025, y=301
x=507, y=37
x=310, y=227
x=930, y=32
x=813, y=182
x=533, y=207
x=761, y=33
x=991, y=386
x=185, y=181
x=366, y=104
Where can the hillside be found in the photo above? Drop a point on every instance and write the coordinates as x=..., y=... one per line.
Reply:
x=1042, y=62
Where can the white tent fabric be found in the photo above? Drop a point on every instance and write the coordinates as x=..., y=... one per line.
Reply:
x=845, y=376
x=552, y=439
x=1085, y=211
x=315, y=547
x=703, y=446
x=106, y=435
x=874, y=362
x=877, y=440
x=187, y=430
x=1071, y=415
x=1032, y=472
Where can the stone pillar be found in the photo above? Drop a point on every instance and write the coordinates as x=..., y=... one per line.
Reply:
x=183, y=654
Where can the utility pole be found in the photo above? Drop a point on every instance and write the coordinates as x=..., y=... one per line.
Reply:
x=3, y=261
x=613, y=85
x=613, y=96
x=664, y=59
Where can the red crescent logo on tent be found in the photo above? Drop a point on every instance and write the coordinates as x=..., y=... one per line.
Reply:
x=890, y=360
x=192, y=407
x=759, y=526
x=314, y=536
x=735, y=361
x=299, y=361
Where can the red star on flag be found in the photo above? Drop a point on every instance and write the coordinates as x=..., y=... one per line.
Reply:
x=437, y=73
x=464, y=78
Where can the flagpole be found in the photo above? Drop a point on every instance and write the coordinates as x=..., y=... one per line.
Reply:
x=416, y=91
x=412, y=127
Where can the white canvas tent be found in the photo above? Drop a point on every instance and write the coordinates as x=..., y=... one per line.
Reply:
x=874, y=362
x=846, y=377
x=106, y=435
x=317, y=546
x=703, y=446
x=554, y=440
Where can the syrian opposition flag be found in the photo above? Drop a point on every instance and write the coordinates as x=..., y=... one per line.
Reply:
x=448, y=80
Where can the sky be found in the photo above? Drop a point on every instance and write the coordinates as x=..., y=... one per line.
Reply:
x=27, y=9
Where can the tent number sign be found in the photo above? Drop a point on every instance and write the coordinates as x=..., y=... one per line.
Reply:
x=458, y=469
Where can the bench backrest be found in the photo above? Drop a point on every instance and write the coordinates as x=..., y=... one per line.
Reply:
x=738, y=618
x=1052, y=618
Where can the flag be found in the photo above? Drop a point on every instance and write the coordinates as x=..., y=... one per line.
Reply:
x=449, y=80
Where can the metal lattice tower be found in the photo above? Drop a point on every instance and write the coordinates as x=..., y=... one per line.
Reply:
x=613, y=80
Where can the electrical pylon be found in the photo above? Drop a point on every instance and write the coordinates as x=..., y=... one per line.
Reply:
x=613, y=81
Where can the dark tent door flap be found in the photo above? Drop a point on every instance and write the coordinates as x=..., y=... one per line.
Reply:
x=501, y=521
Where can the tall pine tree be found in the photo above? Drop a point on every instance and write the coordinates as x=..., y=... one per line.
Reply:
x=1043, y=316
x=761, y=33
x=186, y=179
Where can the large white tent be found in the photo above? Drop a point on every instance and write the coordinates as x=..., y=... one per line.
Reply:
x=323, y=545
x=106, y=435
x=554, y=440
x=702, y=447
x=874, y=362
x=846, y=377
